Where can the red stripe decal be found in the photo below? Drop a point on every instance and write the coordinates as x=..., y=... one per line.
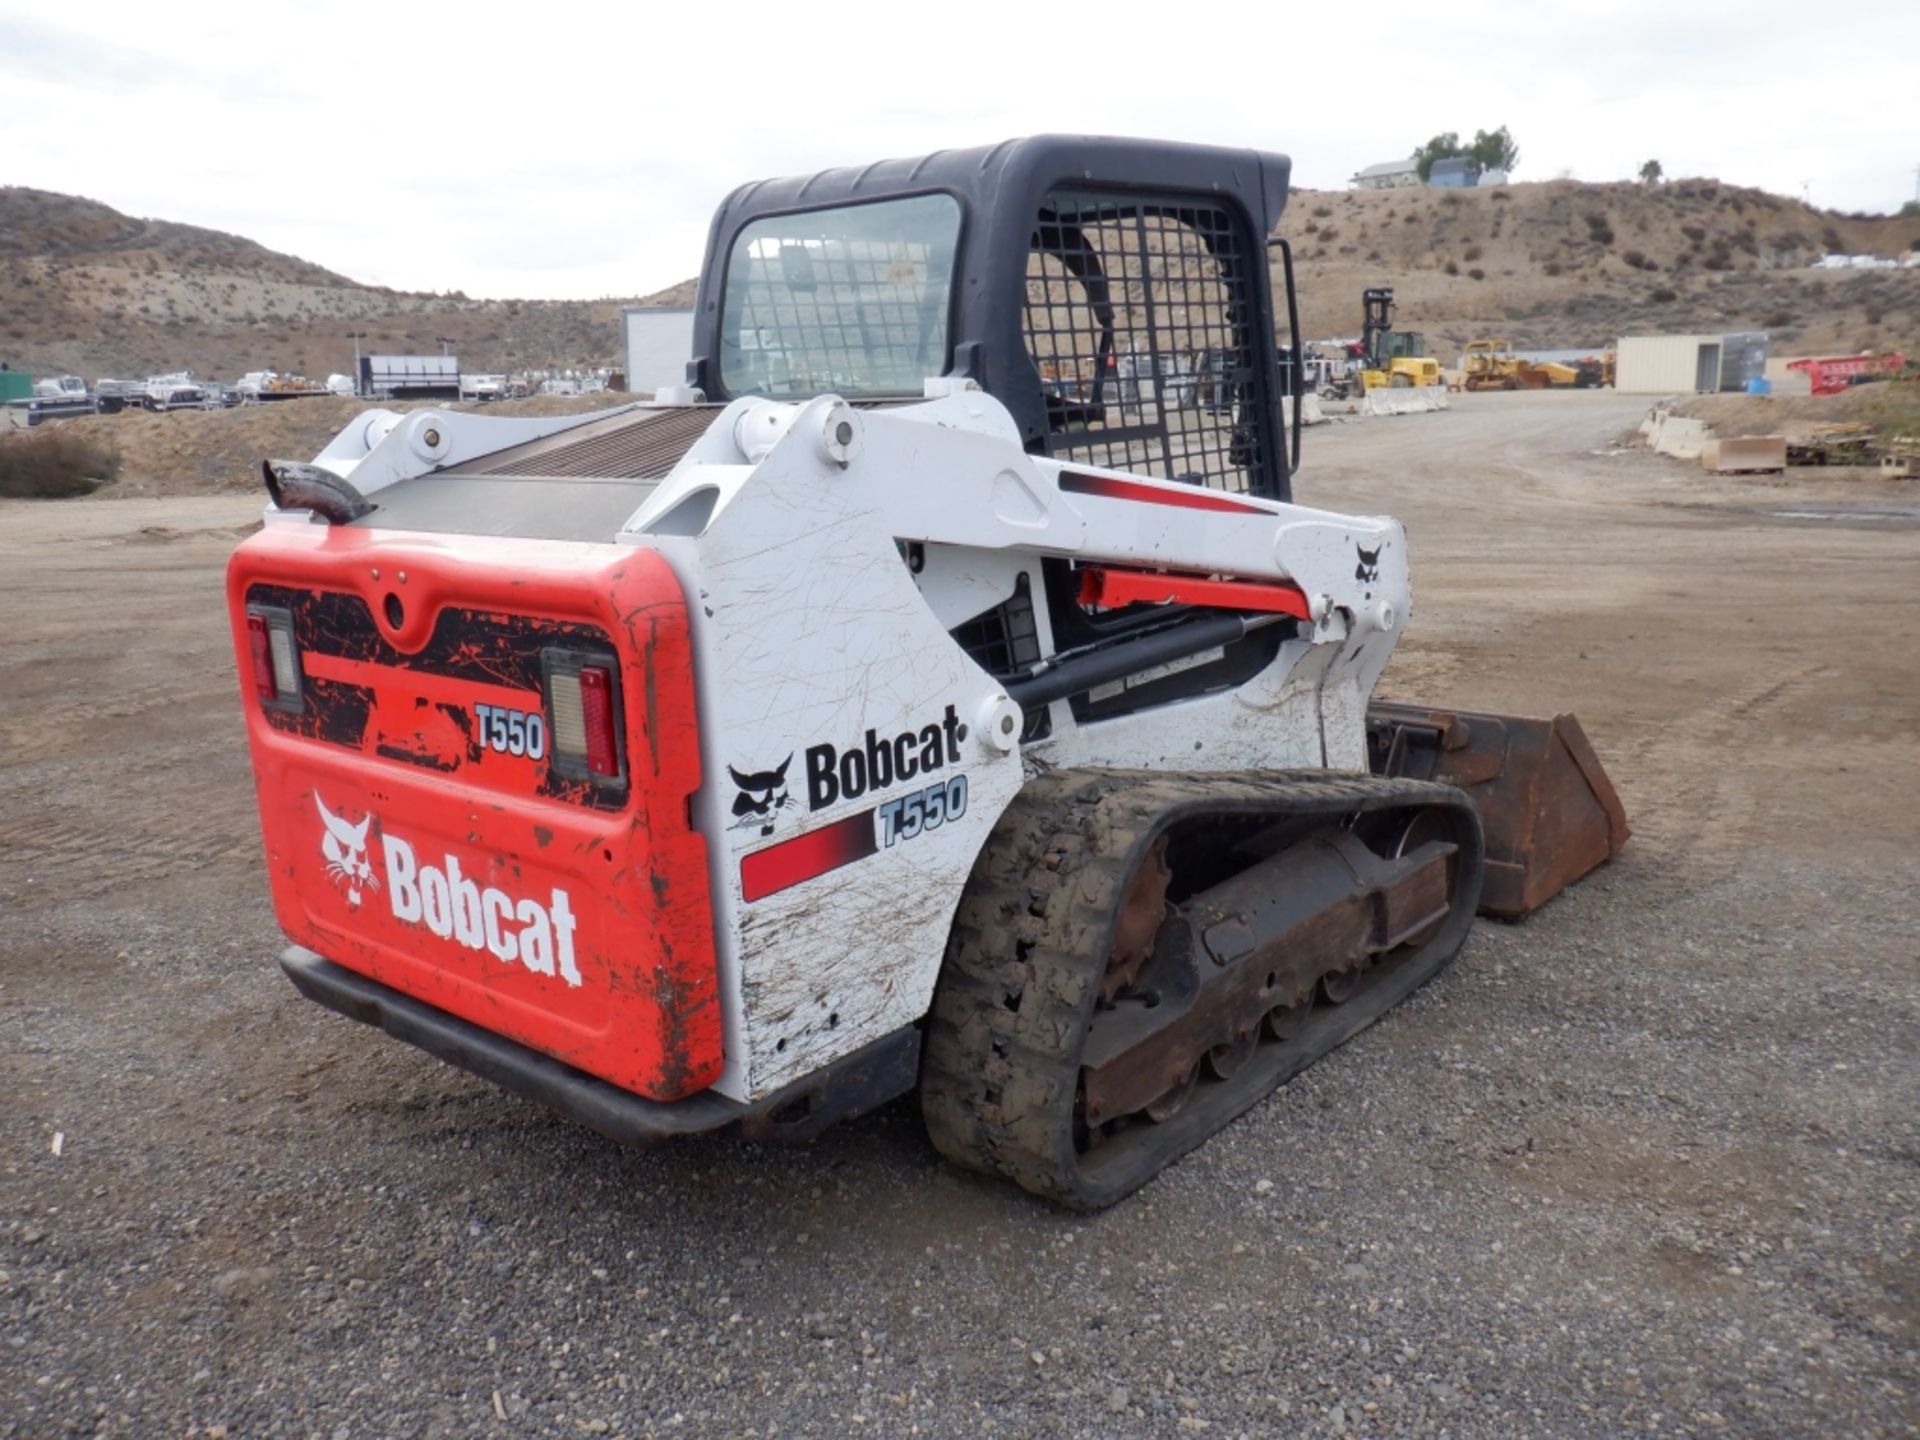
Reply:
x=1184, y=497
x=781, y=867
x=1110, y=589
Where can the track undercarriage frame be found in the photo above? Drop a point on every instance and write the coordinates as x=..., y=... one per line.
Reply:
x=1295, y=908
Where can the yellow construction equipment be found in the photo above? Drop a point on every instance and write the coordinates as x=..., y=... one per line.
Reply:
x=1392, y=358
x=1403, y=371
x=1493, y=365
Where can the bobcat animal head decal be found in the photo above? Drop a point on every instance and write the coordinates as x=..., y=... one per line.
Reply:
x=763, y=795
x=345, y=848
x=1368, y=570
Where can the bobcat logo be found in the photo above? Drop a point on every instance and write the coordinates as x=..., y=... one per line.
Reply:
x=1368, y=570
x=345, y=847
x=763, y=795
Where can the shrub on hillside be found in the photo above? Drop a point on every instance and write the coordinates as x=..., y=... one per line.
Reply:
x=52, y=462
x=1663, y=296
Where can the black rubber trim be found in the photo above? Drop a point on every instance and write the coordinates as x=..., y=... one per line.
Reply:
x=870, y=1076
x=617, y=1114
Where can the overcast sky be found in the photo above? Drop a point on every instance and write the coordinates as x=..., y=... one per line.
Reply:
x=566, y=150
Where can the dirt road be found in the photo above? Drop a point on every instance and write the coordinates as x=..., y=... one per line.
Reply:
x=1647, y=1164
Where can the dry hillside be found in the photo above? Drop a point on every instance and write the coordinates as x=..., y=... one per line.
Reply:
x=197, y=452
x=86, y=289
x=1566, y=264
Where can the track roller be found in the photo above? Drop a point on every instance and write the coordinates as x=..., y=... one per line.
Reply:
x=1139, y=957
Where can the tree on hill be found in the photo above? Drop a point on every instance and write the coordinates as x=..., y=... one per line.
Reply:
x=1495, y=150
x=1651, y=173
x=1440, y=147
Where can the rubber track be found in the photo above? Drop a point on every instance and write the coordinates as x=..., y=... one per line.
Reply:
x=1017, y=990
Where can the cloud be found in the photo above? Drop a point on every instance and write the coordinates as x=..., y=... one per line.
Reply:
x=580, y=152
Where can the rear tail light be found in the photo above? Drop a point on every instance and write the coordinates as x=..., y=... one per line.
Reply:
x=596, y=704
x=583, y=701
x=275, y=655
x=264, y=684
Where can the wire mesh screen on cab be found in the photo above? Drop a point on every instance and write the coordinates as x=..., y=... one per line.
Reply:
x=1137, y=317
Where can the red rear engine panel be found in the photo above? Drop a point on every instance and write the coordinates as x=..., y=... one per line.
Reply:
x=425, y=824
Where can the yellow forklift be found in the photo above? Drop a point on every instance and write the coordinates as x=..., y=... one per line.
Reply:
x=1389, y=358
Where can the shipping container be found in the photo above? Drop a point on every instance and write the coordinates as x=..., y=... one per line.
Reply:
x=1743, y=359
x=1784, y=379
x=1668, y=364
x=410, y=377
x=659, y=342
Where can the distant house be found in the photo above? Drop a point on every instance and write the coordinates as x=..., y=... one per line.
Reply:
x=1388, y=175
x=1461, y=172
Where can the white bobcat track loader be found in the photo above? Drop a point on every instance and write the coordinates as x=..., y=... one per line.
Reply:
x=941, y=689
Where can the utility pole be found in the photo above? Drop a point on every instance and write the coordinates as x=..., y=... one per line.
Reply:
x=356, y=336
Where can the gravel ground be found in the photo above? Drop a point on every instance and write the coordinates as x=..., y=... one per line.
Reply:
x=1644, y=1165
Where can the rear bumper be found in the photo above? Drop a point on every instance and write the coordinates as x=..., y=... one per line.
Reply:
x=869, y=1077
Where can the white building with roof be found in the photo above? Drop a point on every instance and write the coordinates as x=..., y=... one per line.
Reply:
x=1388, y=175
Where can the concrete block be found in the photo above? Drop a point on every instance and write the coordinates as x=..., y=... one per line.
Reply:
x=1310, y=412
x=1744, y=454
x=1679, y=436
x=1411, y=401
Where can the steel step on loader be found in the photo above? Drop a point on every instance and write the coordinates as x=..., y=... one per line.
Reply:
x=941, y=689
